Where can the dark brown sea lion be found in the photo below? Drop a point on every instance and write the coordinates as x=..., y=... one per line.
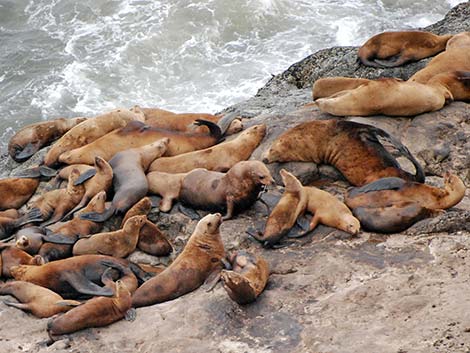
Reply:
x=77, y=275
x=201, y=257
x=353, y=148
x=390, y=49
x=33, y=137
x=90, y=130
x=329, y=86
x=40, y=301
x=233, y=191
x=248, y=277
x=137, y=134
x=219, y=158
x=11, y=256
x=9, y=225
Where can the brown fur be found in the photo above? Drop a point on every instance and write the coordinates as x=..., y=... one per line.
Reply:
x=12, y=256
x=329, y=86
x=201, y=256
x=16, y=191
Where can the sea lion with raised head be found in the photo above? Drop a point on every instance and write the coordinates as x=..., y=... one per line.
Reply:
x=201, y=257
x=390, y=49
x=219, y=158
x=39, y=301
x=30, y=239
x=247, y=278
x=90, y=130
x=353, y=148
x=31, y=138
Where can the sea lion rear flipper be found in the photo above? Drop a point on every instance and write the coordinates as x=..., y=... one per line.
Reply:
x=65, y=302
x=391, y=183
x=34, y=215
x=21, y=306
x=98, y=217
x=131, y=314
x=27, y=152
x=57, y=238
x=85, y=176
x=82, y=285
x=189, y=212
x=393, y=61
x=47, y=172
x=28, y=173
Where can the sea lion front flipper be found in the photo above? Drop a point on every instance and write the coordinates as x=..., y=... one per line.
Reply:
x=20, y=306
x=212, y=280
x=300, y=229
x=47, y=172
x=391, y=183
x=71, y=303
x=214, y=129
x=189, y=212
x=32, y=173
x=82, y=285
x=393, y=61
x=85, y=176
x=57, y=238
x=28, y=151
x=32, y=216
x=98, y=217
x=131, y=314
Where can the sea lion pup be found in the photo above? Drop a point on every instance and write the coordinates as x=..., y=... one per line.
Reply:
x=30, y=239
x=28, y=140
x=59, y=243
x=137, y=134
x=119, y=243
x=151, y=239
x=387, y=191
x=129, y=181
x=398, y=48
x=219, y=158
x=328, y=86
x=248, y=277
x=353, y=148
x=78, y=275
x=11, y=256
x=39, y=301
x=90, y=130
x=96, y=312
x=233, y=191
x=53, y=205
x=201, y=257
x=387, y=96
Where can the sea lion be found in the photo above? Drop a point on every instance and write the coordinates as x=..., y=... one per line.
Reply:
x=353, y=148
x=328, y=86
x=387, y=191
x=248, y=277
x=8, y=225
x=390, y=49
x=119, y=243
x=96, y=312
x=387, y=96
x=78, y=275
x=59, y=243
x=11, y=256
x=151, y=239
x=28, y=140
x=30, y=239
x=233, y=191
x=219, y=158
x=40, y=301
x=129, y=181
x=457, y=82
x=64, y=172
x=201, y=257
x=90, y=130
x=137, y=134
x=53, y=205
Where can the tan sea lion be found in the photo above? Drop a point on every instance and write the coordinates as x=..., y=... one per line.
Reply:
x=248, y=277
x=353, y=148
x=90, y=130
x=328, y=86
x=219, y=158
x=119, y=243
x=28, y=140
x=387, y=96
x=11, y=256
x=390, y=49
x=457, y=82
x=201, y=257
x=233, y=191
x=137, y=134
x=40, y=301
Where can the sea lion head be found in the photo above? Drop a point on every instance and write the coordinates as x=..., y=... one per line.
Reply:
x=350, y=224
x=22, y=242
x=134, y=223
x=209, y=224
x=234, y=127
x=454, y=185
x=71, y=187
x=97, y=203
x=259, y=173
x=255, y=130
x=459, y=40
x=291, y=183
x=101, y=164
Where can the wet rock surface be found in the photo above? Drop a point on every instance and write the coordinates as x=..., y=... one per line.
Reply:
x=329, y=291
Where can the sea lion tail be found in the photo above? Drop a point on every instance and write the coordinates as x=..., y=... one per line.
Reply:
x=226, y=120
x=98, y=217
x=214, y=129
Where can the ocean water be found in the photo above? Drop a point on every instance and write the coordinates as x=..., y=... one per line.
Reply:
x=73, y=58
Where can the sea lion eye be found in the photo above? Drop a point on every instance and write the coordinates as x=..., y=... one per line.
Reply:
x=209, y=224
x=262, y=177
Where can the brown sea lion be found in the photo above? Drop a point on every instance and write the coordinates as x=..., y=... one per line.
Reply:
x=201, y=257
x=233, y=191
x=90, y=130
x=64, y=172
x=39, y=301
x=33, y=137
x=129, y=181
x=119, y=243
x=137, y=134
x=11, y=256
x=390, y=49
x=248, y=277
x=328, y=86
x=219, y=158
x=457, y=82
x=151, y=239
x=77, y=275
x=353, y=148
x=53, y=205
x=387, y=96
x=387, y=191
x=96, y=312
